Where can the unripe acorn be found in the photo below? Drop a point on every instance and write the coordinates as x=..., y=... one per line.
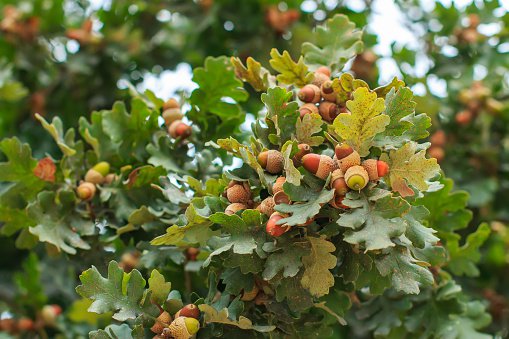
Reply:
x=94, y=177
x=356, y=177
x=324, y=70
x=308, y=108
x=238, y=193
x=172, y=114
x=234, y=208
x=102, y=167
x=310, y=93
x=183, y=328
x=328, y=111
x=278, y=185
x=179, y=129
x=319, y=165
x=327, y=91
x=271, y=161
x=303, y=150
x=86, y=191
x=162, y=321
x=250, y=295
x=171, y=103
x=338, y=183
x=319, y=79
x=267, y=206
x=190, y=311
x=375, y=168
x=273, y=229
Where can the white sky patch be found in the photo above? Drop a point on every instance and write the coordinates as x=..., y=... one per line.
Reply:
x=166, y=84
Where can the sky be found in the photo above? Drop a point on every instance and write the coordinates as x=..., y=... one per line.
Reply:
x=389, y=31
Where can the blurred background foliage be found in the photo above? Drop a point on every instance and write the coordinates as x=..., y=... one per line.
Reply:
x=67, y=58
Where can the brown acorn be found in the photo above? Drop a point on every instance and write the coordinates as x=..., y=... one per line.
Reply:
x=303, y=150
x=308, y=108
x=250, y=295
x=172, y=114
x=356, y=177
x=86, y=191
x=464, y=117
x=439, y=138
x=190, y=311
x=328, y=92
x=278, y=185
x=343, y=150
x=271, y=161
x=310, y=93
x=234, y=208
x=272, y=228
x=338, y=182
x=267, y=206
x=375, y=168
x=25, y=325
x=281, y=198
x=319, y=165
x=162, y=321
x=328, y=110
x=324, y=70
x=179, y=129
x=238, y=193
x=319, y=79
x=171, y=103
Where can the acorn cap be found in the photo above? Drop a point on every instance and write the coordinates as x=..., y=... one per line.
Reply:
x=278, y=185
x=183, y=328
x=94, y=177
x=319, y=79
x=267, y=206
x=370, y=166
x=308, y=108
x=271, y=161
x=102, y=167
x=162, y=321
x=328, y=111
x=238, y=194
x=324, y=70
x=172, y=114
x=319, y=165
x=281, y=198
x=356, y=177
x=353, y=159
x=86, y=191
x=234, y=208
x=303, y=150
x=310, y=93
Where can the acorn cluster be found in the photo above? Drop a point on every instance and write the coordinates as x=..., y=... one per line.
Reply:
x=172, y=115
x=475, y=100
x=183, y=325
x=47, y=317
x=97, y=175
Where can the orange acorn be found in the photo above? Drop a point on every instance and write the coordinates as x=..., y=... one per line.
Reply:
x=271, y=161
x=347, y=157
x=190, y=311
x=323, y=70
x=438, y=138
x=328, y=111
x=310, y=93
x=307, y=109
x=464, y=117
x=172, y=114
x=338, y=183
x=179, y=129
x=278, y=185
x=171, y=103
x=375, y=168
x=86, y=191
x=303, y=150
x=343, y=150
x=273, y=229
x=319, y=165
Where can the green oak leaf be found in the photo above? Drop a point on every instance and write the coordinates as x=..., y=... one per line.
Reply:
x=290, y=72
x=286, y=259
x=317, y=277
x=395, y=84
x=345, y=85
x=211, y=315
x=28, y=282
x=282, y=112
x=56, y=130
x=364, y=122
x=292, y=174
x=463, y=258
x=303, y=212
x=307, y=127
x=112, y=332
x=253, y=73
x=159, y=288
x=409, y=168
x=162, y=153
x=407, y=273
x=416, y=232
x=334, y=43
x=374, y=219
x=119, y=292
x=297, y=298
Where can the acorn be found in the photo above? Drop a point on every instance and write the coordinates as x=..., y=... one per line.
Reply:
x=171, y=103
x=319, y=165
x=324, y=70
x=338, y=183
x=436, y=152
x=250, y=295
x=308, y=108
x=328, y=110
x=49, y=314
x=337, y=202
x=342, y=150
x=192, y=253
x=356, y=177
x=376, y=168
x=96, y=174
x=353, y=159
x=183, y=328
x=310, y=93
x=234, y=208
x=162, y=321
x=86, y=191
x=303, y=150
x=190, y=311
x=7, y=325
x=267, y=206
x=464, y=117
x=319, y=79
x=281, y=198
x=272, y=228
x=238, y=193
x=328, y=92
x=278, y=185
x=439, y=138
x=110, y=178
x=25, y=325
x=179, y=129
x=271, y=161
x=172, y=114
